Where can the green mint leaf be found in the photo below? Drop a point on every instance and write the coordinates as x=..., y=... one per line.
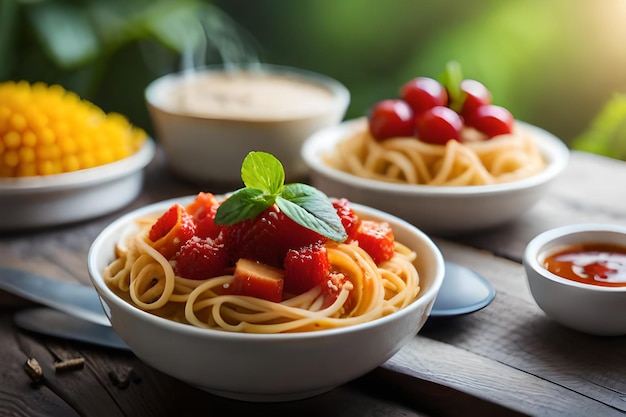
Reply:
x=451, y=80
x=264, y=177
x=262, y=171
x=312, y=209
x=243, y=204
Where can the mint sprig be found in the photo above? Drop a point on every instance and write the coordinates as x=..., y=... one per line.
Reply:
x=264, y=178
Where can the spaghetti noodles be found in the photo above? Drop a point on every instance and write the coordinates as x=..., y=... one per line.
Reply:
x=473, y=161
x=144, y=277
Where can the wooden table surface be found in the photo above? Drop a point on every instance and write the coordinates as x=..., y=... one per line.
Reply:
x=507, y=359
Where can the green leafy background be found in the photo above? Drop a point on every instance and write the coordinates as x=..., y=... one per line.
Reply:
x=559, y=64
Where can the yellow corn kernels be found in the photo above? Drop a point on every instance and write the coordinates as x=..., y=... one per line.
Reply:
x=48, y=130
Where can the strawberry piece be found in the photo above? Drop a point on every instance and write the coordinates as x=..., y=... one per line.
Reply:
x=203, y=210
x=201, y=203
x=268, y=237
x=258, y=280
x=291, y=235
x=331, y=288
x=377, y=239
x=171, y=230
x=348, y=217
x=201, y=258
x=305, y=268
x=206, y=227
x=253, y=239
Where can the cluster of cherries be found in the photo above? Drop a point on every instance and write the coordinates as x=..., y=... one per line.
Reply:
x=428, y=111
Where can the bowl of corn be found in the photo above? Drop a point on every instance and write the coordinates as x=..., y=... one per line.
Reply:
x=62, y=159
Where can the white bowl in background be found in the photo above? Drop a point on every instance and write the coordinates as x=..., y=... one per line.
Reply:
x=588, y=308
x=206, y=144
x=443, y=210
x=51, y=200
x=275, y=367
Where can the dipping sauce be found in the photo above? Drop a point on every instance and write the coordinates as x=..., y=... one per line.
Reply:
x=590, y=263
x=248, y=95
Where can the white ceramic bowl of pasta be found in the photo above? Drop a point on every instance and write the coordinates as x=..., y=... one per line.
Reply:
x=275, y=367
x=443, y=210
x=207, y=120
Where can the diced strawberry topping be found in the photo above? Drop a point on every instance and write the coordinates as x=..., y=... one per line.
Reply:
x=253, y=239
x=290, y=235
x=267, y=238
x=203, y=210
x=377, y=239
x=201, y=258
x=331, y=288
x=201, y=203
x=305, y=268
x=172, y=230
x=258, y=280
x=205, y=226
x=348, y=217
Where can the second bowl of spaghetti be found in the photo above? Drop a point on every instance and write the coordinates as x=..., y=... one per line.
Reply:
x=442, y=189
x=252, y=349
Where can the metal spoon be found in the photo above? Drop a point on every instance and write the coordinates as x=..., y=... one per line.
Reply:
x=75, y=299
x=463, y=291
x=56, y=323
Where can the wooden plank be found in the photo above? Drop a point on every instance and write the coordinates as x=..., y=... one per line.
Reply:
x=485, y=377
x=116, y=383
x=442, y=400
x=19, y=396
x=515, y=332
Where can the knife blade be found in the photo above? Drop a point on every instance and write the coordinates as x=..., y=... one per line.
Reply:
x=75, y=299
x=56, y=323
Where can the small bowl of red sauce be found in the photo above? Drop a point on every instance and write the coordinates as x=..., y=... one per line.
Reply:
x=577, y=276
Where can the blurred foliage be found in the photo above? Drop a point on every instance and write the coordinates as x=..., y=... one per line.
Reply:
x=108, y=51
x=554, y=63
x=607, y=133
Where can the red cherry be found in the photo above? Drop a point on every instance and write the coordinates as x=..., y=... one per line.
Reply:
x=476, y=95
x=439, y=125
x=391, y=118
x=424, y=93
x=493, y=120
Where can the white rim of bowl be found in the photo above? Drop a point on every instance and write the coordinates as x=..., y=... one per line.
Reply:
x=536, y=247
x=101, y=287
x=341, y=94
x=83, y=177
x=551, y=147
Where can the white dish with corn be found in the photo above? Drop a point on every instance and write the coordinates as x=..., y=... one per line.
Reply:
x=62, y=159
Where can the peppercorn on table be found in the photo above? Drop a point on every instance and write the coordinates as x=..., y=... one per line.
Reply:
x=506, y=359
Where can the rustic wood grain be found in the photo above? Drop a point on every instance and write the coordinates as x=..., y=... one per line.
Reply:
x=515, y=332
x=19, y=395
x=442, y=363
x=114, y=383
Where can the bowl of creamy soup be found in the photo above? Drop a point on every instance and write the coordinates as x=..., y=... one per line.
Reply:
x=208, y=119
